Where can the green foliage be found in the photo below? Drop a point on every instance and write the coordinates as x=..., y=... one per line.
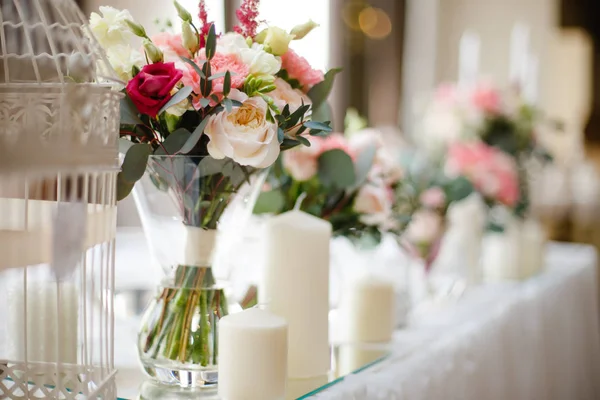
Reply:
x=135, y=162
x=336, y=169
x=322, y=113
x=271, y=202
x=227, y=84
x=458, y=189
x=320, y=92
x=129, y=112
x=258, y=86
x=354, y=122
x=211, y=43
x=177, y=98
x=194, y=138
x=206, y=83
x=174, y=142
x=364, y=162
x=197, y=68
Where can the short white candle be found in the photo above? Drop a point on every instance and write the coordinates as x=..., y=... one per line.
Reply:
x=532, y=245
x=295, y=285
x=51, y=334
x=367, y=310
x=252, y=356
x=366, y=317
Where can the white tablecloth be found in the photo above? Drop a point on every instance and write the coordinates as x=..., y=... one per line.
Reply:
x=532, y=340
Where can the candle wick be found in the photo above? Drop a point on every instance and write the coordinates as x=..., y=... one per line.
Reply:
x=299, y=201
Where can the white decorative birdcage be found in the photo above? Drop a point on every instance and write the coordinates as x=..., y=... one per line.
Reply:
x=59, y=121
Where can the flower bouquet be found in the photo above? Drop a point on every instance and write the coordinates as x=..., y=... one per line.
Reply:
x=203, y=113
x=488, y=127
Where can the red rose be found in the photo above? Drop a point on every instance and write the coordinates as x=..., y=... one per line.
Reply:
x=151, y=88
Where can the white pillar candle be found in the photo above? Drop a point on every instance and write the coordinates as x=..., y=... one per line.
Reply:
x=297, y=388
x=366, y=317
x=253, y=346
x=295, y=285
x=532, y=244
x=51, y=331
x=468, y=58
x=500, y=259
x=367, y=310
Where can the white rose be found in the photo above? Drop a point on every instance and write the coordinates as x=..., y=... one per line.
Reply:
x=123, y=58
x=110, y=29
x=244, y=134
x=302, y=163
x=284, y=94
x=258, y=60
x=426, y=226
x=374, y=201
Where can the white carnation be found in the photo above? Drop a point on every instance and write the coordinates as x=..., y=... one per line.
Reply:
x=123, y=58
x=258, y=60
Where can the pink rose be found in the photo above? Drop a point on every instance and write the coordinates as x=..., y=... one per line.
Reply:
x=492, y=172
x=434, y=198
x=385, y=165
x=335, y=141
x=298, y=68
x=284, y=95
x=487, y=98
x=374, y=202
x=151, y=88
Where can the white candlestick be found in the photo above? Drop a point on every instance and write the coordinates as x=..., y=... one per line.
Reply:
x=519, y=54
x=51, y=334
x=295, y=285
x=253, y=351
x=468, y=58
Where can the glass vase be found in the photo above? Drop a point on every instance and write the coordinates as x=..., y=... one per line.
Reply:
x=182, y=202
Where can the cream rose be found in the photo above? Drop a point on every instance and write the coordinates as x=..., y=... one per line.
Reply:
x=244, y=134
x=374, y=201
x=425, y=227
x=302, y=163
x=284, y=94
x=110, y=28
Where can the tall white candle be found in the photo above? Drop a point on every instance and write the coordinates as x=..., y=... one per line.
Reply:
x=366, y=317
x=253, y=350
x=51, y=332
x=468, y=58
x=519, y=54
x=295, y=285
x=531, y=84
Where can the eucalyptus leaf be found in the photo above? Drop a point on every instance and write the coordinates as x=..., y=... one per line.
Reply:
x=220, y=75
x=336, y=169
x=289, y=144
x=303, y=140
x=227, y=83
x=129, y=112
x=321, y=126
x=318, y=94
x=174, y=142
x=134, y=165
x=211, y=166
x=205, y=83
x=364, y=163
x=271, y=202
x=236, y=103
x=322, y=113
x=228, y=105
x=124, y=145
x=459, y=189
x=196, y=67
x=123, y=187
x=211, y=43
x=280, y=135
x=178, y=97
x=194, y=138
x=204, y=102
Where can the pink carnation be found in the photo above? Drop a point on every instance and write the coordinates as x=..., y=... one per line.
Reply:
x=490, y=170
x=487, y=98
x=220, y=63
x=298, y=68
x=170, y=43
